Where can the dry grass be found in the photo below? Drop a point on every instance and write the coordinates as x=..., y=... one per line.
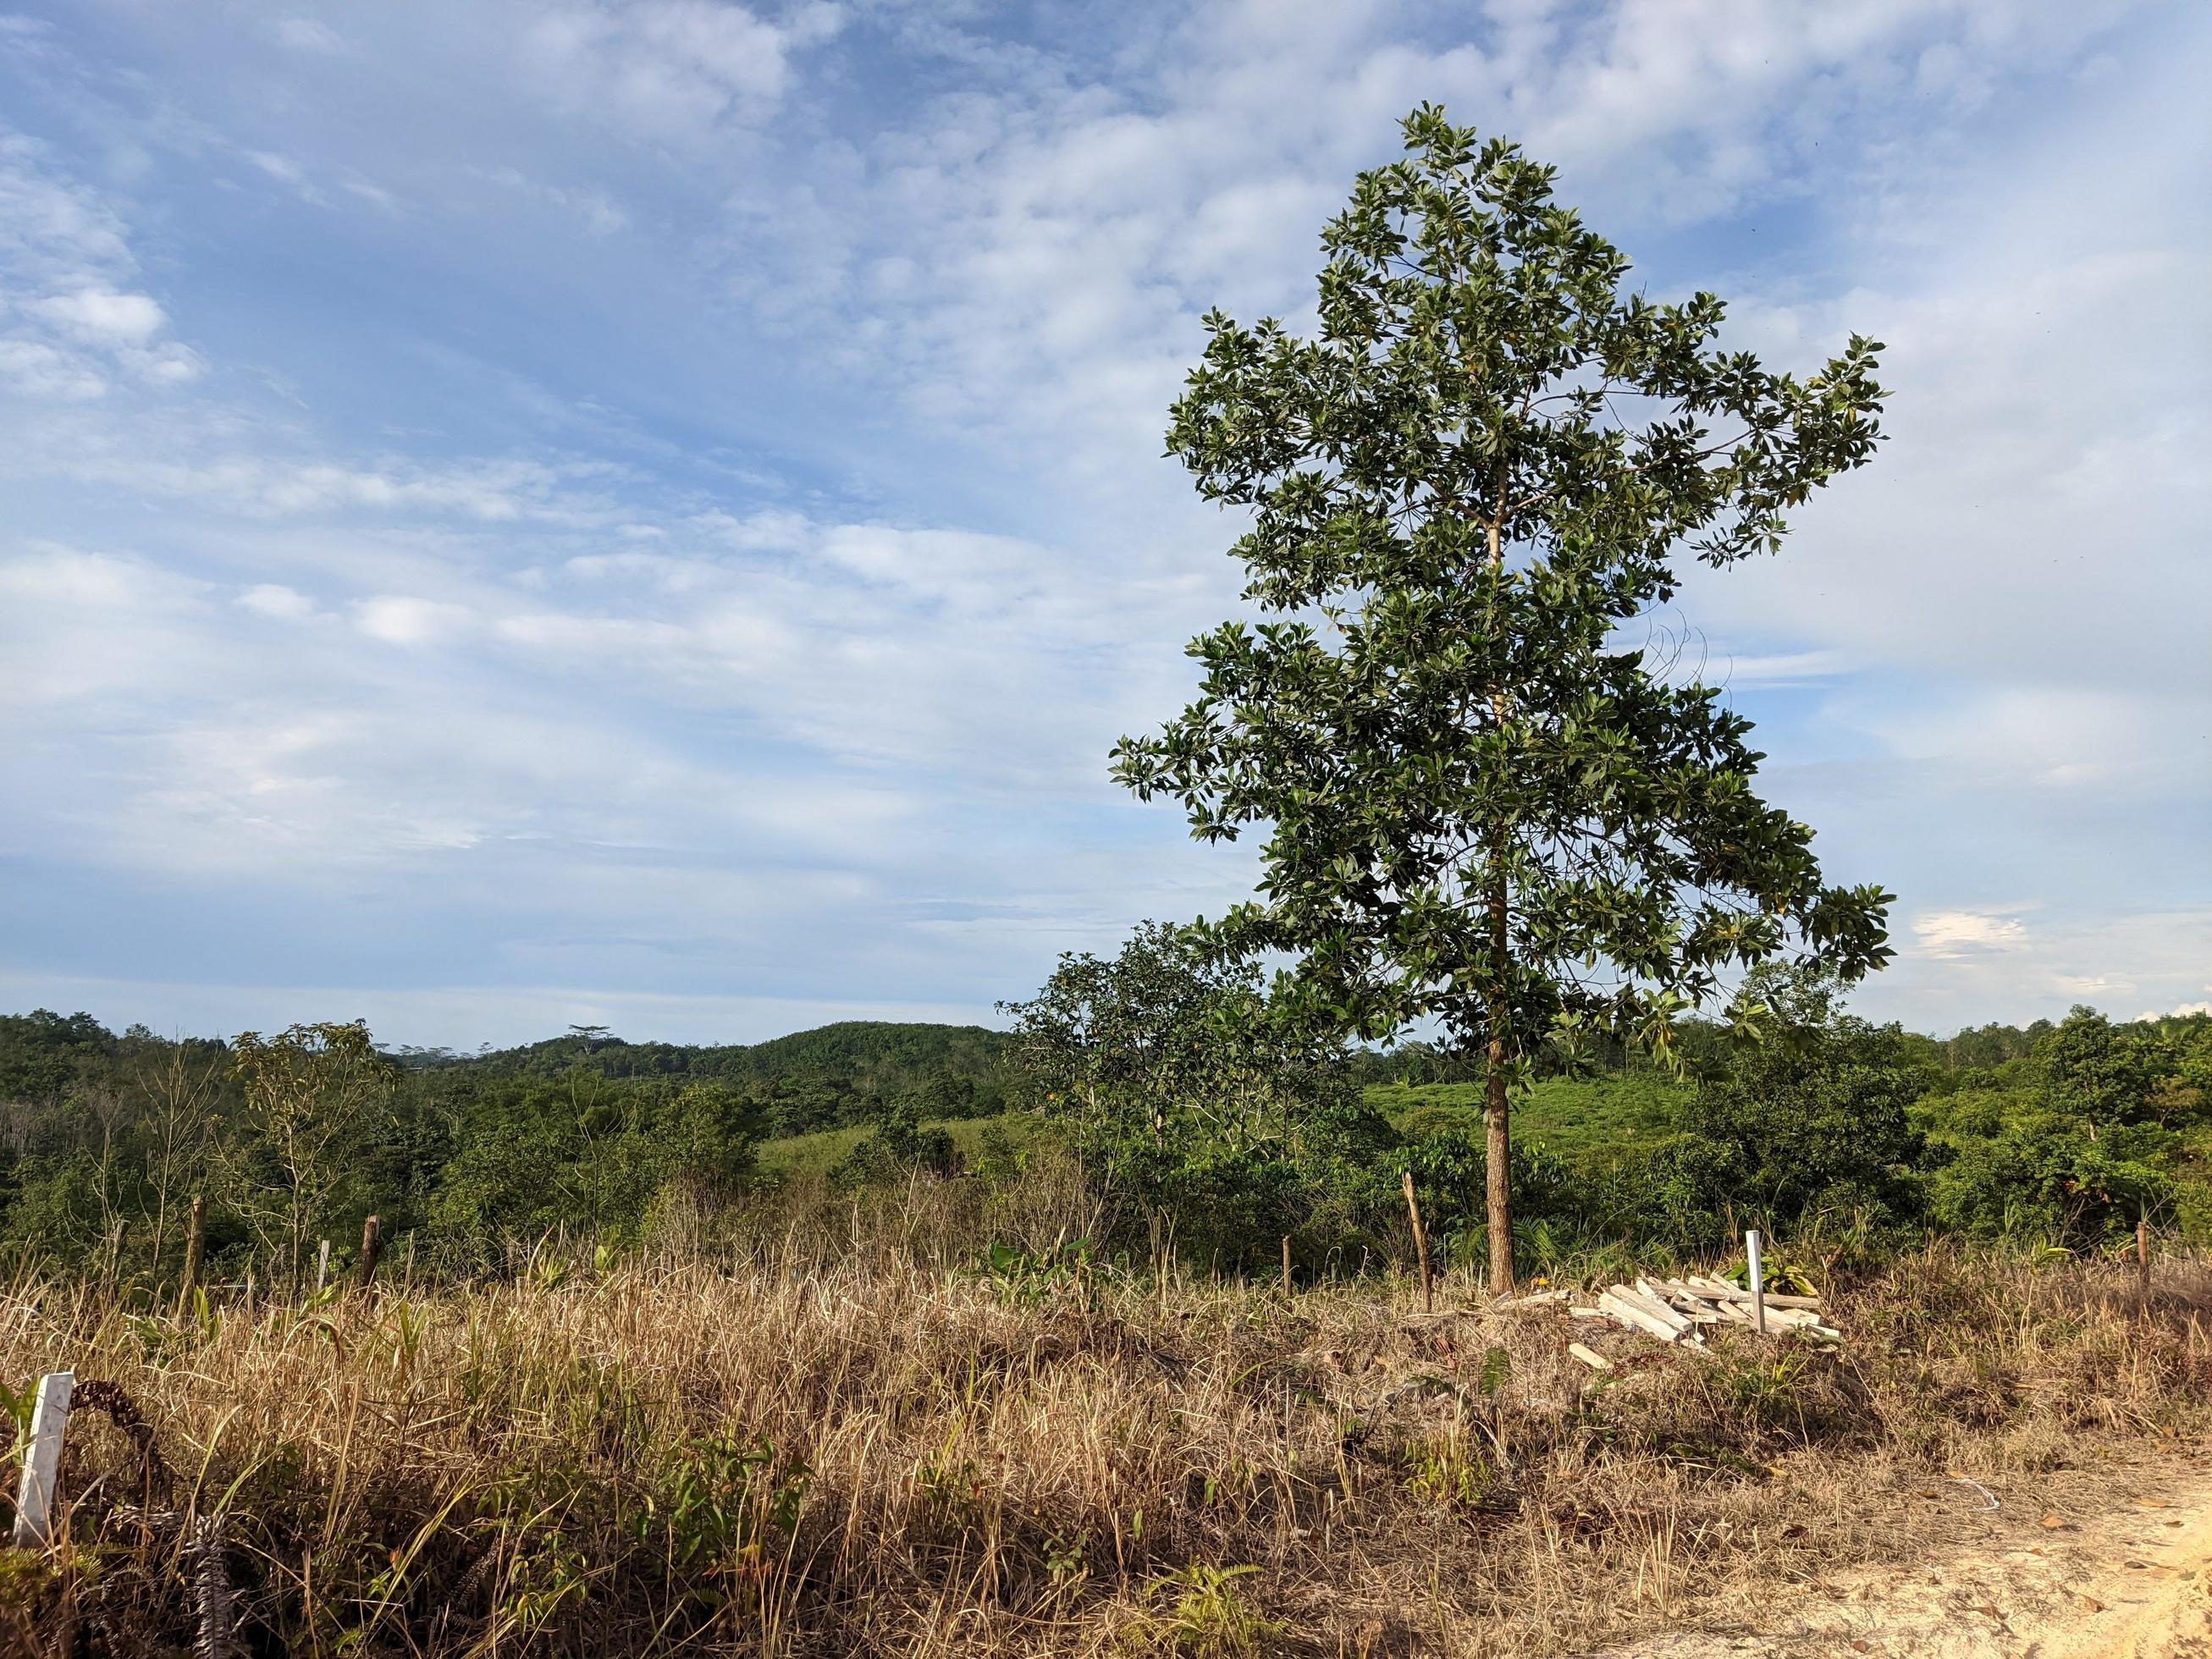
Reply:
x=799, y=1457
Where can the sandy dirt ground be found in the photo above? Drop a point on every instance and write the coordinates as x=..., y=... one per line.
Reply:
x=2133, y=1581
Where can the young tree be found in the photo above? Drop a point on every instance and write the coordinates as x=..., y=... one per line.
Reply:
x=314, y=1096
x=179, y=1088
x=2102, y=1073
x=1810, y=1114
x=1487, y=808
x=1226, y=1126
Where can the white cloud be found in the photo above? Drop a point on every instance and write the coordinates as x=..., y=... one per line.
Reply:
x=669, y=68
x=103, y=317
x=52, y=236
x=69, y=325
x=40, y=371
x=83, y=635
x=278, y=602
x=401, y=619
x=1961, y=932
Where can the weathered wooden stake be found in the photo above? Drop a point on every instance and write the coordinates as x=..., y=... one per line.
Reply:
x=42, y=1460
x=2143, y=1263
x=193, y=1226
x=1420, y=1246
x=1758, y=1280
x=1286, y=1265
x=322, y=1266
x=372, y=1249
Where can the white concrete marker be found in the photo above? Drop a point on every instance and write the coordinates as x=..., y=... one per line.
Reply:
x=42, y=1458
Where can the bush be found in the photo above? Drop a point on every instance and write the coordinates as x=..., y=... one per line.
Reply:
x=898, y=1146
x=1811, y=1119
x=1202, y=1114
x=2054, y=1179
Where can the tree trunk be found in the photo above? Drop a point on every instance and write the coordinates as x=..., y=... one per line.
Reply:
x=372, y=1250
x=1499, y=1151
x=1500, y=1148
x=192, y=1241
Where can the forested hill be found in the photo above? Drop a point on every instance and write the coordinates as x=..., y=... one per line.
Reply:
x=878, y=1056
x=848, y=1073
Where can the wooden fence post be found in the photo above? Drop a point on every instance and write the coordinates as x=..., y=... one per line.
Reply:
x=1287, y=1266
x=2142, y=1264
x=372, y=1249
x=322, y=1266
x=193, y=1234
x=1758, y=1279
x=42, y=1460
x=1420, y=1246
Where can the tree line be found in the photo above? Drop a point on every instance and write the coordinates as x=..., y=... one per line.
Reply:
x=1203, y=1123
x=291, y=1136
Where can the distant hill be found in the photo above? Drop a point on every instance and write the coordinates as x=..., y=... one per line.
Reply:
x=964, y=1064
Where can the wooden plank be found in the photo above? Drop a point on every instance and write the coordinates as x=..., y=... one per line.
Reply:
x=1673, y=1294
x=1536, y=1296
x=1737, y=1293
x=1627, y=1313
x=1589, y=1313
x=42, y=1460
x=1652, y=1305
x=1590, y=1357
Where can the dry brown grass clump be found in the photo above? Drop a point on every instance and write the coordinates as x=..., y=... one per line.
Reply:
x=894, y=1460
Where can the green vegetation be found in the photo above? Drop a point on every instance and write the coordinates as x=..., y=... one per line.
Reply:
x=845, y=1075
x=1194, y=1122
x=1576, y=1116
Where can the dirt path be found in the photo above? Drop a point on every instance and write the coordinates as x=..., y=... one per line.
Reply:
x=2133, y=1583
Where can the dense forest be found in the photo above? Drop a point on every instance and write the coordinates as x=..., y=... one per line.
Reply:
x=1189, y=1116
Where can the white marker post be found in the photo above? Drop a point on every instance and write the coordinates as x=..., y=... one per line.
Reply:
x=42, y=1460
x=1758, y=1280
x=322, y=1266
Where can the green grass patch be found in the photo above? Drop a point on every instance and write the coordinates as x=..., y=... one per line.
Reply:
x=1569, y=1114
x=819, y=1152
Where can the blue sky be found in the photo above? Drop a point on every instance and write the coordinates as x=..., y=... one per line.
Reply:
x=654, y=513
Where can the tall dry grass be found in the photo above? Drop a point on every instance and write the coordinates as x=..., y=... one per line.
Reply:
x=794, y=1454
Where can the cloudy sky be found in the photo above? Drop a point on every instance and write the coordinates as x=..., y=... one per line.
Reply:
x=652, y=511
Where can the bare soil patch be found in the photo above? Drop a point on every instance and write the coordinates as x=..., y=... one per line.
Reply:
x=2045, y=1576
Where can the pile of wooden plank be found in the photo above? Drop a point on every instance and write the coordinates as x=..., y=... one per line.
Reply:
x=1677, y=1309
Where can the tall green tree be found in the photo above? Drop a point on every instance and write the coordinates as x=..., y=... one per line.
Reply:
x=1486, y=807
